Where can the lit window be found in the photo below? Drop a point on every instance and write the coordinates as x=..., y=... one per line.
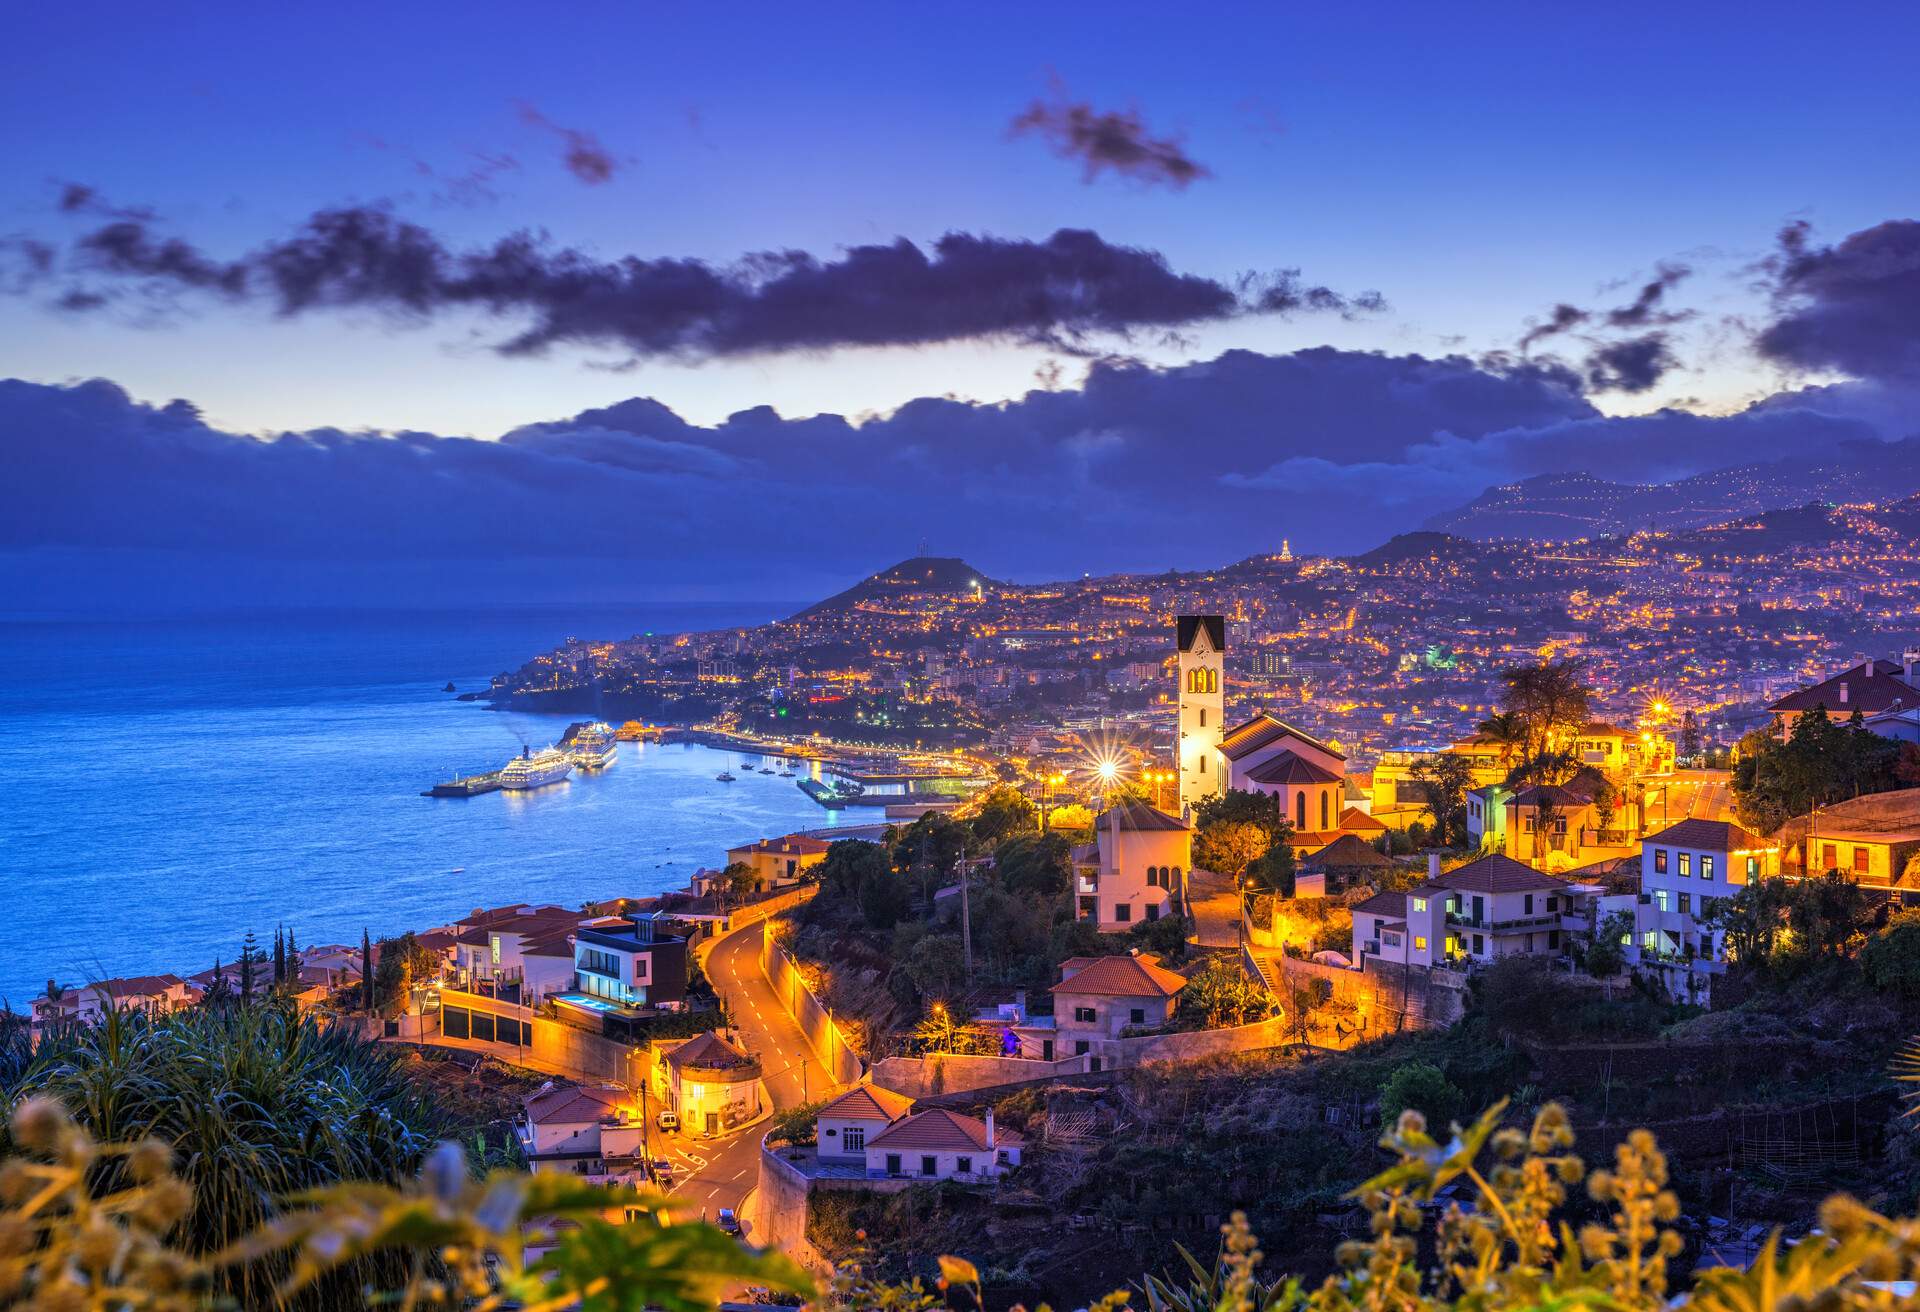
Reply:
x=1659, y=860
x=1419, y=942
x=1706, y=867
x=856, y=1139
x=1686, y=861
x=1860, y=860
x=1419, y=904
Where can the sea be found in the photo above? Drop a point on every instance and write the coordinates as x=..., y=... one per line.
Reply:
x=170, y=784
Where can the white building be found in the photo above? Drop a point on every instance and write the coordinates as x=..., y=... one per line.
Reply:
x=844, y=1125
x=1491, y=908
x=712, y=1085
x=596, y=1132
x=1097, y=1001
x=1135, y=870
x=153, y=995
x=938, y=1144
x=1202, y=643
x=522, y=955
x=1686, y=870
x=1305, y=777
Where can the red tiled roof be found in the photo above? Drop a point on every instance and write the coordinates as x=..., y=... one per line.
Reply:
x=571, y=1105
x=709, y=1052
x=791, y=845
x=1122, y=977
x=1870, y=687
x=1139, y=816
x=1286, y=768
x=940, y=1130
x=1498, y=874
x=868, y=1102
x=1384, y=904
x=135, y=986
x=1348, y=852
x=1354, y=820
x=1263, y=729
x=1713, y=835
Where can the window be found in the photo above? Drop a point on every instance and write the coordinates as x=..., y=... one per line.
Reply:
x=1300, y=811
x=1084, y=1016
x=1660, y=898
x=1859, y=860
x=1479, y=944
x=1553, y=939
x=1659, y=860
x=929, y=1165
x=893, y=1163
x=1203, y=763
x=1390, y=938
x=493, y=942
x=1419, y=904
x=963, y=1165
x=1686, y=904
x=1829, y=860
x=1153, y=912
x=1553, y=902
x=1419, y=942
x=1122, y=912
x=1079, y=1047
x=1527, y=905
x=1326, y=800
x=1706, y=945
x=1753, y=867
x=1706, y=867
x=1203, y=717
x=1686, y=863
x=1137, y=1016
x=856, y=1139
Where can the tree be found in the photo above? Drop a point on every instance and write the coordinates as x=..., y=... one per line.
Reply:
x=1824, y=913
x=1891, y=958
x=1818, y=763
x=249, y=958
x=884, y=898
x=1228, y=847
x=1241, y=806
x=366, y=971
x=738, y=879
x=1275, y=871
x=1035, y=865
x=1508, y=731
x=1001, y=812
x=403, y=962
x=1304, y=994
x=848, y=863
x=1422, y=1087
x=1752, y=919
x=1606, y=951
x=1446, y=778
x=933, y=962
x=218, y=994
x=279, y=957
x=1551, y=700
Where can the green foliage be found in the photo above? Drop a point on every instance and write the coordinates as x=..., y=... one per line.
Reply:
x=1166, y=938
x=403, y=962
x=1446, y=779
x=1548, y=701
x=1035, y=866
x=1818, y=763
x=848, y=864
x=1606, y=953
x=1238, y=806
x=884, y=898
x=1002, y=812
x=933, y=962
x=1275, y=871
x=1229, y=846
x=1220, y=994
x=1890, y=959
x=1422, y=1087
x=796, y=1125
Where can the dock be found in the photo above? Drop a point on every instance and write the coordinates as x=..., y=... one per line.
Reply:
x=470, y=786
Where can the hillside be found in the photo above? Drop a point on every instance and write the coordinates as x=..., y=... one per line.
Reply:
x=944, y=575
x=1556, y=507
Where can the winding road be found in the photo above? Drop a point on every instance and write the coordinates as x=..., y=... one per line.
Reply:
x=726, y=1169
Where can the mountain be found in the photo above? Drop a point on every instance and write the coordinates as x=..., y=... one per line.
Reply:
x=946, y=575
x=1555, y=507
x=1421, y=545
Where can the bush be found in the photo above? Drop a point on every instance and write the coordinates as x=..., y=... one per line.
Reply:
x=1422, y=1087
x=1891, y=958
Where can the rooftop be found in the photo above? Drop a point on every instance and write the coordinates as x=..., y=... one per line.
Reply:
x=938, y=1129
x=1119, y=977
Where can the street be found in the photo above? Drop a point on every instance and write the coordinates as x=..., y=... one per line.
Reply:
x=723, y=1170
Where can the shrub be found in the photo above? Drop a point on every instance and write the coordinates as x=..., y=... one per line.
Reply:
x=1422, y=1087
x=1891, y=958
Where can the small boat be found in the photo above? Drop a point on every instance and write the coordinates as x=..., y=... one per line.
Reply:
x=766, y=769
x=449, y=687
x=725, y=777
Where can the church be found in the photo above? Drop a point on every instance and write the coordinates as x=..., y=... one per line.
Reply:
x=1305, y=777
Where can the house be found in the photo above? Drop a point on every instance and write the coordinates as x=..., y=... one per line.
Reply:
x=1559, y=826
x=844, y=1125
x=712, y=1084
x=1346, y=862
x=1872, y=840
x=1686, y=870
x=156, y=995
x=1097, y=1000
x=1399, y=797
x=938, y=1144
x=1305, y=777
x=592, y=1131
x=1487, y=818
x=1872, y=687
x=519, y=956
x=1136, y=869
x=1487, y=909
x=779, y=862
x=622, y=964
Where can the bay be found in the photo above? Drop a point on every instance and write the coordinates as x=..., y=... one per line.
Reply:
x=173, y=782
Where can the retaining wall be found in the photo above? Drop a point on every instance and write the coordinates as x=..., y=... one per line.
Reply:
x=809, y=1013
x=574, y=1052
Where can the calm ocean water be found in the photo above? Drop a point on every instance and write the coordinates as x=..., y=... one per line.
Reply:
x=171, y=784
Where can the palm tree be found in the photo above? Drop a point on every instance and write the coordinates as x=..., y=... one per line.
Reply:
x=1506, y=729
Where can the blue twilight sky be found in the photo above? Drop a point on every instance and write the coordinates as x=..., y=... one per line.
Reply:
x=1475, y=164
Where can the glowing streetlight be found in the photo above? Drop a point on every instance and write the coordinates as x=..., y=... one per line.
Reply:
x=1107, y=770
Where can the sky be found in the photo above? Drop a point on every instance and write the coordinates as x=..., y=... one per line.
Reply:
x=1071, y=278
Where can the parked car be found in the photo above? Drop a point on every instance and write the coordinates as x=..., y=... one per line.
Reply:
x=728, y=1221
x=668, y=1121
x=663, y=1170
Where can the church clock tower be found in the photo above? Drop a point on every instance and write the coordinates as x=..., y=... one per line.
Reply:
x=1202, y=640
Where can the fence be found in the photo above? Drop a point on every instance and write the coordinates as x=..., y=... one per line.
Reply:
x=809, y=1013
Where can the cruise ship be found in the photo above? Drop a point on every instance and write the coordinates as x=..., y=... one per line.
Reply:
x=591, y=746
x=533, y=769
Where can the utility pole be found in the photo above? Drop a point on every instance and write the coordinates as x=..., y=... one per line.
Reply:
x=966, y=921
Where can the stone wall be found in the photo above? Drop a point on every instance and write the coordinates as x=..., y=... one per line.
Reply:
x=588, y=1057
x=1382, y=998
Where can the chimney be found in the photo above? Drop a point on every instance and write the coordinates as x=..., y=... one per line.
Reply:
x=1433, y=867
x=1843, y=694
x=989, y=1129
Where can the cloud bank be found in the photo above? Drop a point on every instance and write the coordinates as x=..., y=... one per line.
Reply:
x=1062, y=292
x=1140, y=468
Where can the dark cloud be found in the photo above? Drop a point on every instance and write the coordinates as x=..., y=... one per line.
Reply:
x=1563, y=319
x=1853, y=308
x=79, y=198
x=1111, y=139
x=1632, y=365
x=1112, y=474
x=1646, y=311
x=1059, y=292
x=584, y=157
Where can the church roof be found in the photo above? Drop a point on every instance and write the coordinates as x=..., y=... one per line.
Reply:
x=1286, y=768
x=1189, y=627
x=1263, y=730
x=1139, y=816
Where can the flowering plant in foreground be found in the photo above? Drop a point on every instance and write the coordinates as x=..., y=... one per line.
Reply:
x=89, y=1228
